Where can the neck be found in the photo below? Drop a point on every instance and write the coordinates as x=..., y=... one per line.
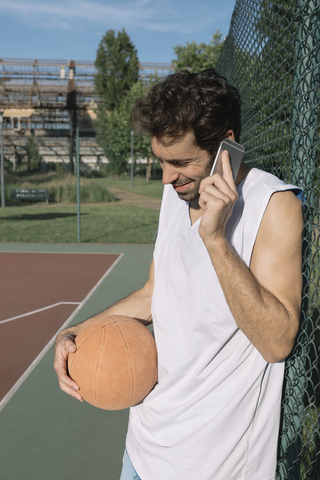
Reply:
x=243, y=172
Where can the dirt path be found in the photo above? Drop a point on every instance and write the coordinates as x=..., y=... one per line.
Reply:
x=130, y=198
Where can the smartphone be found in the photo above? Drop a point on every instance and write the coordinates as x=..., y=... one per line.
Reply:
x=235, y=151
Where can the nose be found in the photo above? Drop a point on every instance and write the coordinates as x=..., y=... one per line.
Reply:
x=169, y=173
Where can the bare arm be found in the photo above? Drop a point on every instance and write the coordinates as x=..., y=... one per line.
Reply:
x=136, y=305
x=265, y=299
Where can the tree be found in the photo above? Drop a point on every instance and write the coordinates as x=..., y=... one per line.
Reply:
x=33, y=155
x=196, y=57
x=114, y=130
x=117, y=67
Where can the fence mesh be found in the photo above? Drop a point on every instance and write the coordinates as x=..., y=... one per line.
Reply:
x=272, y=56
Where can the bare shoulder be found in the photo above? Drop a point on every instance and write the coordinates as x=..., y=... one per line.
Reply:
x=285, y=207
x=283, y=219
x=277, y=254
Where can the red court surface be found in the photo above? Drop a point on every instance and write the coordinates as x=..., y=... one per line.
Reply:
x=39, y=293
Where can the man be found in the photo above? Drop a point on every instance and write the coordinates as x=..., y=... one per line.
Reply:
x=223, y=292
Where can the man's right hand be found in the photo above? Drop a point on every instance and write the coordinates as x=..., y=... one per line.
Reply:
x=65, y=344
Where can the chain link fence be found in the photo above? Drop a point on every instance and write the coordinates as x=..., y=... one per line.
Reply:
x=272, y=56
x=60, y=187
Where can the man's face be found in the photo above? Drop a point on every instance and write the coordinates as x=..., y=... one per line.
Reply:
x=183, y=165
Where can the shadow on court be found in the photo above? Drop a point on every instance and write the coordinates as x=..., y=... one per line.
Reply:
x=42, y=216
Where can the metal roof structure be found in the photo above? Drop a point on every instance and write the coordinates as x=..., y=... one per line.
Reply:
x=51, y=98
x=38, y=84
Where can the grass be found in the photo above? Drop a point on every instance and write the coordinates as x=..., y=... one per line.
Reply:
x=100, y=223
x=61, y=188
x=119, y=224
x=153, y=188
x=103, y=220
x=311, y=440
x=56, y=182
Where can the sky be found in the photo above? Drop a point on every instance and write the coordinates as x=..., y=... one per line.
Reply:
x=72, y=29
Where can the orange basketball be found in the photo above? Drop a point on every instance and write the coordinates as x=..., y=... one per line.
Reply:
x=115, y=364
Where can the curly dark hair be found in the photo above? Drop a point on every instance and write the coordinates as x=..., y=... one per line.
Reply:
x=204, y=103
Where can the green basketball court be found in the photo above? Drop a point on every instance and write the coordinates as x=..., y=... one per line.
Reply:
x=44, y=433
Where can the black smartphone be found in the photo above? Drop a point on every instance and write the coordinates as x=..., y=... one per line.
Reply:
x=235, y=151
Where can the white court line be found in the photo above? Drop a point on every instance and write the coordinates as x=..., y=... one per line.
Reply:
x=39, y=310
x=37, y=360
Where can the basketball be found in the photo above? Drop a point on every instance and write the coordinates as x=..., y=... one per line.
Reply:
x=115, y=364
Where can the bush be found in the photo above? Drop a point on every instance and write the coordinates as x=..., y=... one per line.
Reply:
x=101, y=173
x=7, y=194
x=59, y=170
x=51, y=166
x=8, y=166
x=141, y=168
x=61, y=188
x=89, y=193
x=33, y=155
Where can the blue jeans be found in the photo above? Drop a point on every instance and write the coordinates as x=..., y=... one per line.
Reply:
x=128, y=472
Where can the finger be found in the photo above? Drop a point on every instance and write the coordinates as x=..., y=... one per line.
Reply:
x=213, y=180
x=65, y=382
x=220, y=188
x=63, y=348
x=66, y=339
x=70, y=345
x=227, y=170
x=218, y=179
x=215, y=200
x=60, y=366
x=70, y=391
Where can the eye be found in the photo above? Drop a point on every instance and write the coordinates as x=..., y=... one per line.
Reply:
x=180, y=164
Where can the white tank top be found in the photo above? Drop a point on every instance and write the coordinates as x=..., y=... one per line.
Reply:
x=214, y=414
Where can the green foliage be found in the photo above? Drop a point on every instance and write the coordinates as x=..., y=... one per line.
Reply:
x=59, y=170
x=118, y=85
x=51, y=166
x=89, y=193
x=114, y=130
x=33, y=155
x=196, y=57
x=63, y=189
x=101, y=173
x=117, y=68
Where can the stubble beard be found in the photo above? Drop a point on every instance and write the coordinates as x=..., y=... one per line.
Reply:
x=194, y=195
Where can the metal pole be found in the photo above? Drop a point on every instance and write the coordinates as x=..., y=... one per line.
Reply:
x=132, y=158
x=2, y=164
x=78, y=184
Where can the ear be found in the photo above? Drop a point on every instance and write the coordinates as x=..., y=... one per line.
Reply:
x=230, y=135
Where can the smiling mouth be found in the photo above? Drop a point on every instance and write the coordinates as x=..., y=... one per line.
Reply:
x=181, y=187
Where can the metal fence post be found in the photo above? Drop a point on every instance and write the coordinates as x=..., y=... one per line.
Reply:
x=2, y=165
x=132, y=158
x=78, y=184
x=306, y=97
